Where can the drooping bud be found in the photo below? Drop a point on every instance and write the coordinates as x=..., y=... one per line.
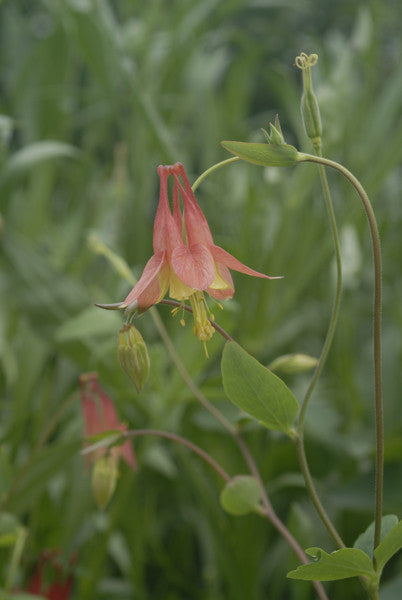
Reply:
x=104, y=479
x=309, y=105
x=133, y=355
x=290, y=364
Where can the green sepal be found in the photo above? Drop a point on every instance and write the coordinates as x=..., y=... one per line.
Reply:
x=241, y=495
x=266, y=155
x=257, y=391
x=341, y=564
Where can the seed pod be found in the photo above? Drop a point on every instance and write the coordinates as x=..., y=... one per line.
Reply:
x=309, y=105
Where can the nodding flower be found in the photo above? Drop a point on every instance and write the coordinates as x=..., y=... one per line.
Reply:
x=100, y=416
x=186, y=263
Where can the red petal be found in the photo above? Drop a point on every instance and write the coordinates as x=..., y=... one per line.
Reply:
x=177, y=216
x=147, y=281
x=166, y=232
x=155, y=290
x=221, y=256
x=197, y=227
x=194, y=266
x=126, y=451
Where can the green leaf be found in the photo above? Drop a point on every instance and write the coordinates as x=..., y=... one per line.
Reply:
x=267, y=155
x=257, y=391
x=241, y=495
x=36, y=153
x=389, y=546
x=365, y=541
x=341, y=564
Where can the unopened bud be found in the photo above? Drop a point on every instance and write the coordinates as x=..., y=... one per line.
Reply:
x=309, y=105
x=104, y=479
x=133, y=355
x=290, y=364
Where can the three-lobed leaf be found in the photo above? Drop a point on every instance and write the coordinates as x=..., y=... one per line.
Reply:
x=341, y=564
x=257, y=391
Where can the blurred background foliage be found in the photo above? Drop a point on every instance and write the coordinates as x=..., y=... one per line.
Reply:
x=94, y=95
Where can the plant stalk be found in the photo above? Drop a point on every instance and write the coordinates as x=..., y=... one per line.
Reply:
x=376, y=246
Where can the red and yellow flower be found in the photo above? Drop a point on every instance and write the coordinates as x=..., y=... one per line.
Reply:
x=186, y=263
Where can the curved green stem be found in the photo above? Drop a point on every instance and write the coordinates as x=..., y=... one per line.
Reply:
x=335, y=307
x=184, y=442
x=218, y=165
x=313, y=492
x=299, y=439
x=375, y=241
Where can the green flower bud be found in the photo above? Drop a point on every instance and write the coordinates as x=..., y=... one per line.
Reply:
x=133, y=355
x=291, y=364
x=309, y=105
x=104, y=479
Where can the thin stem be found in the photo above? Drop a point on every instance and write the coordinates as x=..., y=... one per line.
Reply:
x=218, y=165
x=184, y=442
x=313, y=493
x=335, y=307
x=185, y=375
x=18, y=549
x=299, y=438
x=376, y=245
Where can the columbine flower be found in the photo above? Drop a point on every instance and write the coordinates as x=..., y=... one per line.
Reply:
x=186, y=262
x=50, y=580
x=100, y=416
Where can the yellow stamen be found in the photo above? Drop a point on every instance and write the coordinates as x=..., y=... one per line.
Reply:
x=203, y=329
